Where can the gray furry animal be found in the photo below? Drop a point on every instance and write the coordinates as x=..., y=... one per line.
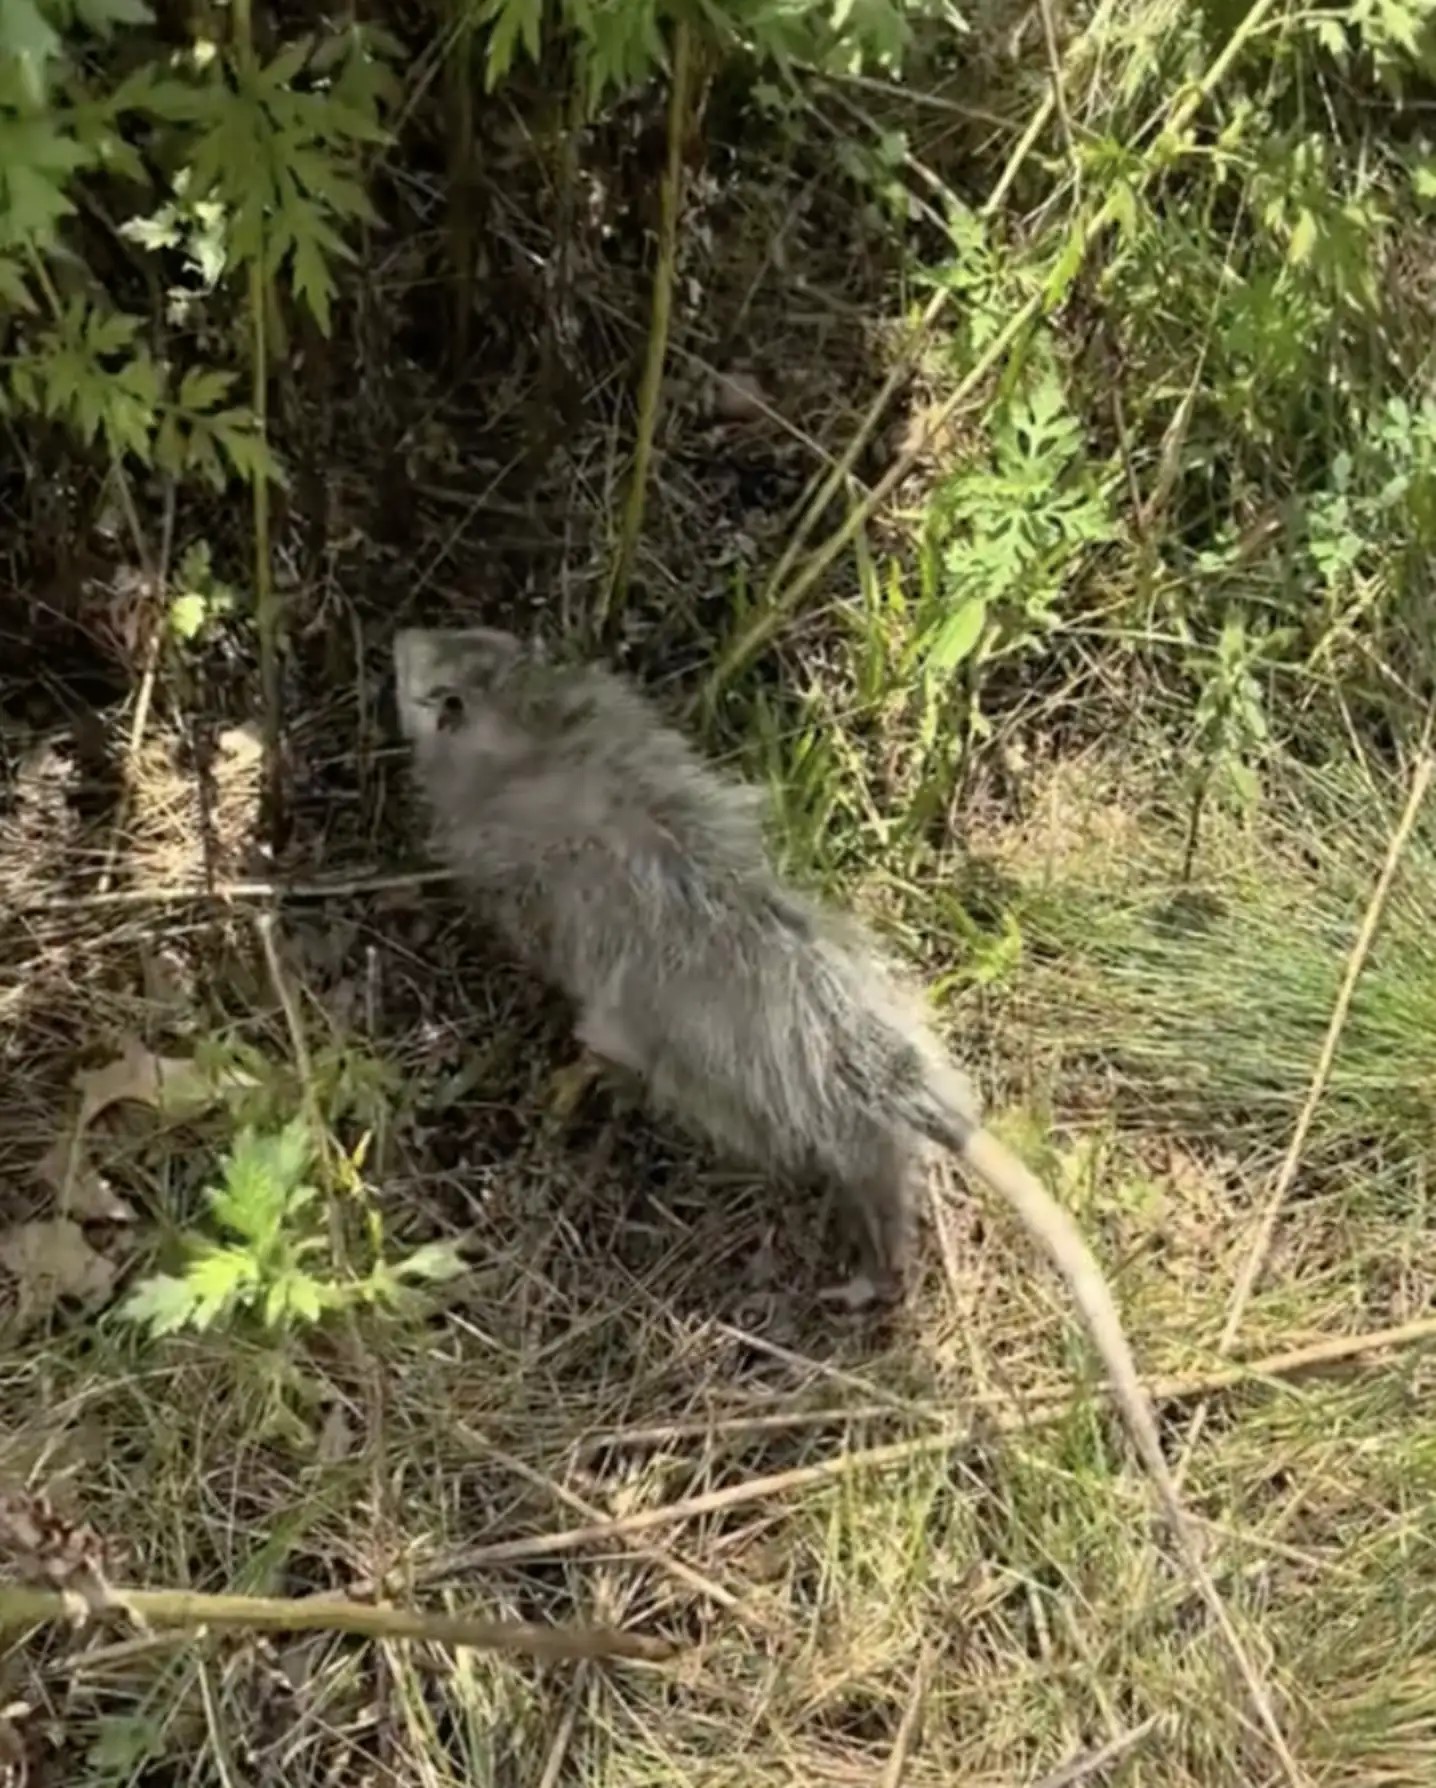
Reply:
x=634, y=877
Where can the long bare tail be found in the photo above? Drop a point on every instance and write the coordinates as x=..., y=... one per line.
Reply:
x=1051, y=1226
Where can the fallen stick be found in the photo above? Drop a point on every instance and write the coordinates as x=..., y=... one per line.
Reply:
x=23, y=1605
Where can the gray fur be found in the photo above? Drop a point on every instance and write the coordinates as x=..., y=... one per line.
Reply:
x=635, y=878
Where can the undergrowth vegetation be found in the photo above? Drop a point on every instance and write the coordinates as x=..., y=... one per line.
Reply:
x=1009, y=436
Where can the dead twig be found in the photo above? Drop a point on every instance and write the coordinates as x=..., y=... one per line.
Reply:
x=21, y=1605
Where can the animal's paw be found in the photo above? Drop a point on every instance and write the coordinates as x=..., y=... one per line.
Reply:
x=570, y=1085
x=863, y=1292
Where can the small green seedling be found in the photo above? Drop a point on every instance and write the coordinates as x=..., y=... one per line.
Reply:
x=273, y=1258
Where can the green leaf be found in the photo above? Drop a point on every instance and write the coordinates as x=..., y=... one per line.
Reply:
x=958, y=636
x=163, y=1304
x=27, y=35
x=312, y=281
x=246, y=449
x=1303, y=238
x=36, y=204
x=188, y=614
x=278, y=75
x=1065, y=269
x=294, y=1295
x=203, y=388
x=13, y=290
x=1122, y=209
x=218, y=1279
x=323, y=177
x=513, y=20
x=435, y=1261
x=263, y=1176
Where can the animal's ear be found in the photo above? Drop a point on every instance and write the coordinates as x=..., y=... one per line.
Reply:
x=481, y=657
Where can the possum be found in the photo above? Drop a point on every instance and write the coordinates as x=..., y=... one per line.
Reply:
x=635, y=877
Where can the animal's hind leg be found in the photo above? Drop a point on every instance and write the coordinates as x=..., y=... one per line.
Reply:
x=602, y=1034
x=882, y=1181
x=603, y=1044
x=570, y=1084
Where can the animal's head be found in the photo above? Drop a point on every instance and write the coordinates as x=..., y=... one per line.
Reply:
x=447, y=677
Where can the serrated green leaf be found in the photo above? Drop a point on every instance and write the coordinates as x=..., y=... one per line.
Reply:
x=294, y=1296
x=203, y=460
x=27, y=35
x=319, y=174
x=177, y=102
x=1122, y=209
x=169, y=445
x=188, y=614
x=337, y=119
x=38, y=143
x=312, y=280
x=14, y=293
x=162, y=1303
x=248, y=452
x=203, y=388
x=1065, y=269
x=25, y=384
x=508, y=23
x=110, y=332
x=278, y=75
x=262, y=1176
x=219, y=1277
x=35, y=204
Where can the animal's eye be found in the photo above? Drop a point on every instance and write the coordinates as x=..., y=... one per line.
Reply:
x=451, y=710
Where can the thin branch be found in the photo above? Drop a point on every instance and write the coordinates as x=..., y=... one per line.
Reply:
x=21, y=1605
x=650, y=392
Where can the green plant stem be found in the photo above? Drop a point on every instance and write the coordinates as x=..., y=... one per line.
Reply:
x=459, y=76
x=21, y=1605
x=267, y=617
x=651, y=388
x=779, y=599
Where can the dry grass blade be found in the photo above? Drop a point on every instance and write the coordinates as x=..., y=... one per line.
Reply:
x=1082, y=1769
x=896, y=1764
